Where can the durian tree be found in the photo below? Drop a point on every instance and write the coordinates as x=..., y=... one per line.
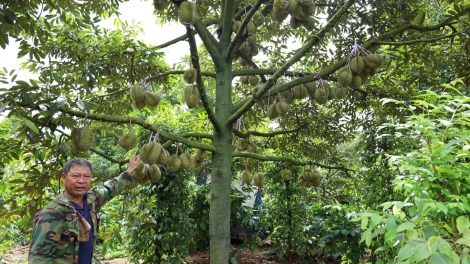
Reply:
x=280, y=80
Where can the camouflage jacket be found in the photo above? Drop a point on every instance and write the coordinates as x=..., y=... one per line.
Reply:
x=58, y=227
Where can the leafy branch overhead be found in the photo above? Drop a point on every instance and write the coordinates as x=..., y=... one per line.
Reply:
x=286, y=82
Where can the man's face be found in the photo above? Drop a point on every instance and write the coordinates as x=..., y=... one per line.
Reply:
x=77, y=181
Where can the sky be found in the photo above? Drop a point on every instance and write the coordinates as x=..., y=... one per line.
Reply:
x=133, y=11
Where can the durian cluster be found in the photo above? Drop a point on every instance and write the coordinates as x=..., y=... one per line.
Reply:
x=359, y=68
x=256, y=179
x=252, y=80
x=301, y=12
x=318, y=91
x=310, y=178
x=249, y=47
x=141, y=98
x=154, y=153
x=247, y=145
x=82, y=139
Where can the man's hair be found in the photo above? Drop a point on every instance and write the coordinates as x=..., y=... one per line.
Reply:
x=76, y=162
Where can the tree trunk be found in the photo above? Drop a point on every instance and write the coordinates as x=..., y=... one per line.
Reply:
x=219, y=216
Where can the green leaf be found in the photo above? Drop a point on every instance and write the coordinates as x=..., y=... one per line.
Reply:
x=439, y=258
x=463, y=241
x=406, y=252
x=367, y=237
x=419, y=19
x=462, y=223
x=390, y=223
x=375, y=220
x=364, y=222
x=405, y=226
x=31, y=126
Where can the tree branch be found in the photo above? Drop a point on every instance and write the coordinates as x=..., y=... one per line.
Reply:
x=206, y=23
x=246, y=134
x=204, y=35
x=286, y=159
x=200, y=82
x=297, y=56
x=230, y=50
x=137, y=121
x=410, y=42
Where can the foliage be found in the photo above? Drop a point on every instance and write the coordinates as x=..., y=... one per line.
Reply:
x=331, y=232
x=431, y=223
x=284, y=212
x=84, y=72
x=158, y=226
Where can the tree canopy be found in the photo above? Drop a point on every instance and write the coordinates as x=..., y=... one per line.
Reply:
x=251, y=87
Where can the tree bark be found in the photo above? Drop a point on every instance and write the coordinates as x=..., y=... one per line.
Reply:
x=219, y=216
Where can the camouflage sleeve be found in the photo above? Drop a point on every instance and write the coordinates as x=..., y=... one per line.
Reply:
x=113, y=187
x=45, y=236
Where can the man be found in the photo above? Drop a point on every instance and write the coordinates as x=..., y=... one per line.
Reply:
x=65, y=230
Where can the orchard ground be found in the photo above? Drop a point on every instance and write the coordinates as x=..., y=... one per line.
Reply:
x=263, y=254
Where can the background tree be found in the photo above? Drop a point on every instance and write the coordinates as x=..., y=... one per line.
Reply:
x=84, y=73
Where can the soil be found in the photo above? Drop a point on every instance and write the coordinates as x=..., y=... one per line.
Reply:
x=19, y=255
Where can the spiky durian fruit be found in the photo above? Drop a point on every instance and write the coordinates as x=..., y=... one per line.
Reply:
x=286, y=174
x=150, y=152
x=340, y=92
x=344, y=76
x=273, y=144
x=185, y=161
x=373, y=60
x=140, y=171
x=253, y=80
x=251, y=147
x=160, y=5
x=258, y=179
x=301, y=181
x=174, y=163
x=294, y=22
x=258, y=18
x=139, y=104
x=244, y=79
x=300, y=91
x=309, y=24
x=272, y=112
x=191, y=96
x=137, y=92
x=282, y=108
x=201, y=154
x=190, y=75
x=128, y=141
x=151, y=99
x=356, y=81
x=316, y=179
x=246, y=177
x=357, y=64
x=154, y=173
x=163, y=157
x=82, y=139
x=195, y=163
x=187, y=13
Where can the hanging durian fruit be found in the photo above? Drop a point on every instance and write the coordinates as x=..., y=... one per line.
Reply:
x=185, y=161
x=174, y=163
x=286, y=174
x=128, y=141
x=190, y=76
x=154, y=173
x=191, y=96
x=150, y=152
x=82, y=139
x=258, y=179
x=246, y=176
x=187, y=13
x=151, y=99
